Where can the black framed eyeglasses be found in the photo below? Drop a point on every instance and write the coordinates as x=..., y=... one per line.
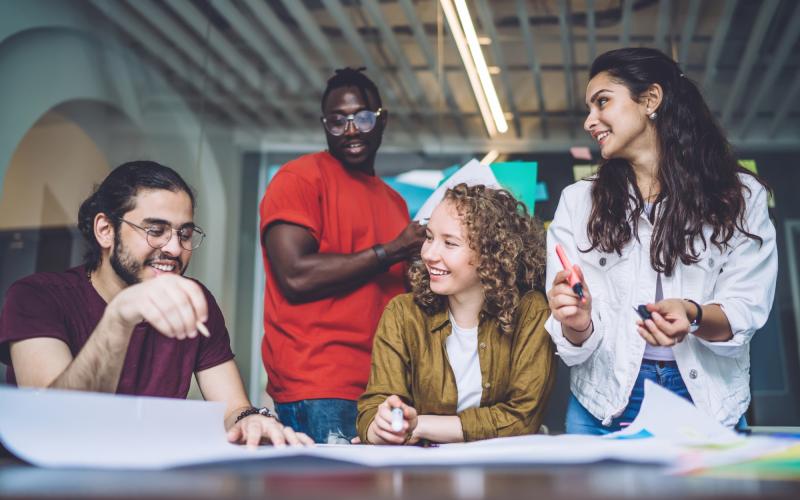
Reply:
x=364, y=121
x=158, y=234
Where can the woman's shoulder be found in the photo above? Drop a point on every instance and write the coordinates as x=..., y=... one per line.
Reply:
x=579, y=188
x=404, y=305
x=533, y=302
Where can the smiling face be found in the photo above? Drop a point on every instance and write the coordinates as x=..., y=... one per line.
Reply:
x=616, y=121
x=356, y=150
x=132, y=257
x=452, y=265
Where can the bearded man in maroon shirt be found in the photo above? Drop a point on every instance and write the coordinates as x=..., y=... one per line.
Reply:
x=127, y=321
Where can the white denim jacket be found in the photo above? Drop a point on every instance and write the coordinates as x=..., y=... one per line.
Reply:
x=741, y=279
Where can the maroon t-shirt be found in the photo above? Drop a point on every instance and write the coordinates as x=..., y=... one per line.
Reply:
x=66, y=306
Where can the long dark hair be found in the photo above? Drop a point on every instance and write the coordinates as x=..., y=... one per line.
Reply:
x=116, y=196
x=697, y=171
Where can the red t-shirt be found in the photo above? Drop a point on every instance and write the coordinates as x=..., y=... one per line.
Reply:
x=67, y=307
x=321, y=349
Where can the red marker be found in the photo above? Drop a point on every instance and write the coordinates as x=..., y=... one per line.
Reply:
x=574, y=282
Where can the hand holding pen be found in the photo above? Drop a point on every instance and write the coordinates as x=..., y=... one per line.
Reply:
x=571, y=301
x=394, y=423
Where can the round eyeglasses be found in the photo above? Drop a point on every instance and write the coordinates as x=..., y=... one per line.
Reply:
x=364, y=121
x=158, y=234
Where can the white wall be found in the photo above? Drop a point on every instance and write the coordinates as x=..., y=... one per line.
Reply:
x=74, y=103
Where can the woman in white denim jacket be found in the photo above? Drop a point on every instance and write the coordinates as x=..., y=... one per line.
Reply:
x=671, y=221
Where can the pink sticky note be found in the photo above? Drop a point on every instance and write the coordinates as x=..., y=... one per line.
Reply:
x=580, y=153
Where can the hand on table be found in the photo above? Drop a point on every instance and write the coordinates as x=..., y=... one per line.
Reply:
x=380, y=430
x=255, y=429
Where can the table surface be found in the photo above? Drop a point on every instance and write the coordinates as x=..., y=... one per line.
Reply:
x=314, y=478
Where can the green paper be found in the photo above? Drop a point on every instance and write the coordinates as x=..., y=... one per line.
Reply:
x=518, y=177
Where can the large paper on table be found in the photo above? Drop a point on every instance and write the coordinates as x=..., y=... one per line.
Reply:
x=51, y=428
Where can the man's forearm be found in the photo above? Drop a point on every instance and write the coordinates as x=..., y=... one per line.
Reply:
x=319, y=275
x=98, y=366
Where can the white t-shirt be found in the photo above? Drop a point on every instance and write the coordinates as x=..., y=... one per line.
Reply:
x=462, y=351
x=657, y=353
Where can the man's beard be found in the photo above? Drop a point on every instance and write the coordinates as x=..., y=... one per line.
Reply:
x=126, y=266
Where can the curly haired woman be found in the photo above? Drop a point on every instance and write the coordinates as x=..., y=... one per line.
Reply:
x=465, y=356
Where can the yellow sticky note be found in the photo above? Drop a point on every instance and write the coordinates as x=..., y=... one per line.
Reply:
x=582, y=171
x=749, y=165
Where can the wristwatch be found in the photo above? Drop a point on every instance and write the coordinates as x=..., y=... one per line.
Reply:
x=694, y=325
x=253, y=411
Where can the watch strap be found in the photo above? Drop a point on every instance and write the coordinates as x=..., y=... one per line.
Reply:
x=698, y=318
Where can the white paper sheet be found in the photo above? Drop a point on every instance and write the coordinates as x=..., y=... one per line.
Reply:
x=668, y=416
x=473, y=172
x=51, y=428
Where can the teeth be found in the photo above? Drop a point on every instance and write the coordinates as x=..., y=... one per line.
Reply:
x=438, y=272
x=602, y=135
x=162, y=267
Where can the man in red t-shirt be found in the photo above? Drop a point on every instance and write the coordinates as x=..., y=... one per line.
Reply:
x=127, y=321
x=334, y=241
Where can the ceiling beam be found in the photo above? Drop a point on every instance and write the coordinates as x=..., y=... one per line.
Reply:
x=591, y=31
x=264, y=15
x=263, y=47
x=715, y=49
x=417, y=95
x=567, y=55
x=533, y=62
x=424, y=44
x=487, y=23
x=625, y=33
x=776, y=64
x=662, y=26
x=765, y=15
x=688, y=31
x=308, y=25
x=174, y=57
x=790, y=97
x=218, y=43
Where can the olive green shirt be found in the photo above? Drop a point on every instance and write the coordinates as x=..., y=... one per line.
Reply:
x=409, y=359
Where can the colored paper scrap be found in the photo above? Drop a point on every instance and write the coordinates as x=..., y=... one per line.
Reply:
x=580, y=153
x=583, y=171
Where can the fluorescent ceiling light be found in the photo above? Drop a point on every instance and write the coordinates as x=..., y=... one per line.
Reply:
x=480, y=64
x=490, y=157
x=469, y=65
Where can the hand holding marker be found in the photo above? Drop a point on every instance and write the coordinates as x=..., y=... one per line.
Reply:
x=574, y=282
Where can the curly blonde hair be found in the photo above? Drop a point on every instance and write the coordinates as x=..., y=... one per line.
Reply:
x=510, y=245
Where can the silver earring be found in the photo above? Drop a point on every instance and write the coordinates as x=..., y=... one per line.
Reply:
x=652, y=115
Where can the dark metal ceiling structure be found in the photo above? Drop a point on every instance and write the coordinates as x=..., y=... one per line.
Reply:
x=260, y=66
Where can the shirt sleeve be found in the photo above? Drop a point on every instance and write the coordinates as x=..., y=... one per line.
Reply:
x=29, y=311
x=293, y=199
x=745, y=288
x=532, y=378
x=390, y=372
x=216, y=349
x=560, y=232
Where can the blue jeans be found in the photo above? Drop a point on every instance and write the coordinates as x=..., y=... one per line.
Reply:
x=664, y=373
x=330, y=421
